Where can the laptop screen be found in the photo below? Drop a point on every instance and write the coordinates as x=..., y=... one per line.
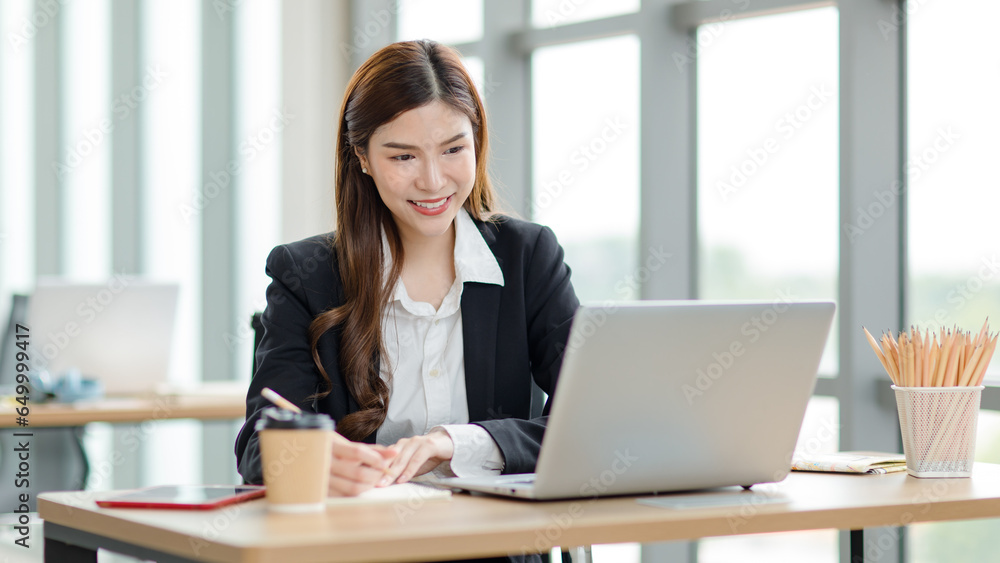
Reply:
x=119, y=332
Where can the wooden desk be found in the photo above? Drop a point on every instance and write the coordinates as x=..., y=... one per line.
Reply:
x=203, y=406
x=476, y=526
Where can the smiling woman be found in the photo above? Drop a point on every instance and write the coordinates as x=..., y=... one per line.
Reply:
x=430, y=314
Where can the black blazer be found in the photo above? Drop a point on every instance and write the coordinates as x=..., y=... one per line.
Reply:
x=511, y=333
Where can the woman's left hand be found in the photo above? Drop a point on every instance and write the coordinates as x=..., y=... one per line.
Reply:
x=418, y=455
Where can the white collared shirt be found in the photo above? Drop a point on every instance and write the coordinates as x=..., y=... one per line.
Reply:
x=426, y=359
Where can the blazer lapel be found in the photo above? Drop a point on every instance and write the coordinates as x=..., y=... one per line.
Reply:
x=480, y=315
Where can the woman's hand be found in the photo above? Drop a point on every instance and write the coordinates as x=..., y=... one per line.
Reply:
x=418, y=455
x=357, y=467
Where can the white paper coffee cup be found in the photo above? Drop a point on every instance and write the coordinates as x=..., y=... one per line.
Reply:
x=296, y=449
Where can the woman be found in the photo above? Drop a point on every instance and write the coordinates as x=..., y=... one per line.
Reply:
x=419, y=324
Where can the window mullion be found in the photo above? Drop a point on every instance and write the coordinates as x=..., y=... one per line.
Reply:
x=870, y=263
x=126, y=150
x=48, y=138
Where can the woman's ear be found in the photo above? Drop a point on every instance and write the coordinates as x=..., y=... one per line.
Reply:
x=361, y=159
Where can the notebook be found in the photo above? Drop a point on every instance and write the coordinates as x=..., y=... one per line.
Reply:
x=663, y=396
x=119, y=332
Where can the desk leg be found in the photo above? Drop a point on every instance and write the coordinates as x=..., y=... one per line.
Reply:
x=57, y=551
x=873, y=545
x=857, y=546
x=579, y=554
x=69, y=545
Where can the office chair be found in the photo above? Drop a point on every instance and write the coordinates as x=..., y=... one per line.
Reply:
x=57, y=459
x=582, y=554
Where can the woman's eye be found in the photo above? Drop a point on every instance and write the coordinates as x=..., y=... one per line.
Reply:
x=454, y=150
x=403, y=157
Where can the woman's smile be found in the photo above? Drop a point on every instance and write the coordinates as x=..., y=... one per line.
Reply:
x=432, y=206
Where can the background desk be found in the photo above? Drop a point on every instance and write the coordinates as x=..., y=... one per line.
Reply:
x=477, y=526
x=58, y=461
x=215, y=405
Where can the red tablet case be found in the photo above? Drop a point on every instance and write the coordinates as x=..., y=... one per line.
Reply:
x=184, y=497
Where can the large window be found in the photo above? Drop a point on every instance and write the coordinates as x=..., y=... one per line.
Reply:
x=585, y=140
x=768, y=199
x=768, y=159
x=84, y=164
x=17, y=148
x=103, y=172
x=952, y=188
x=261, y=119
x=952, y=198
x=172, y=89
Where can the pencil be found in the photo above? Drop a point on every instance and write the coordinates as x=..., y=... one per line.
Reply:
x=970, y=367
x=928, y=367
x=892, y=351
x=946, y=344
x=895, y=349
x=879, y=354
x=932, y=357
x=984, y=361
x=946, y=358
x=963, y=357
x=982, y=333
x=278, y=400
x=911, y=360
x=951, y=370
x=284, y=403
x=904, y=361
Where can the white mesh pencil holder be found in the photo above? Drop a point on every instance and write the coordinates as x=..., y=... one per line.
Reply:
x=938, y=425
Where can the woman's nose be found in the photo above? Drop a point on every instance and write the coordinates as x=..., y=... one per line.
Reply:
x=431, y=177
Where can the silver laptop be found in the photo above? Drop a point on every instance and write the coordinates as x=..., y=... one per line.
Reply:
x=119, y=332
x=674, y=396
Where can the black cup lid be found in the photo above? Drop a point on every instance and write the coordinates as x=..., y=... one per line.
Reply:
x=275, y=418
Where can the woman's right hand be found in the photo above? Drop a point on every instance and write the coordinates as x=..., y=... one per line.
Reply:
x=357, y=467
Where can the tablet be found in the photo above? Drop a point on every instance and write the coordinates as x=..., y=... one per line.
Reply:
x=196, y=497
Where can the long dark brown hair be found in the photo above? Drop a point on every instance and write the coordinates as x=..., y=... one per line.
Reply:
x=397, y=78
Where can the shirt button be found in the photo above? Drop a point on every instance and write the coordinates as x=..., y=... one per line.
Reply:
x=434, y=373
x=436, y=321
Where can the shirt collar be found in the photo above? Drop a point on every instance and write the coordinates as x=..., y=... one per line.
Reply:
x=474, y=261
